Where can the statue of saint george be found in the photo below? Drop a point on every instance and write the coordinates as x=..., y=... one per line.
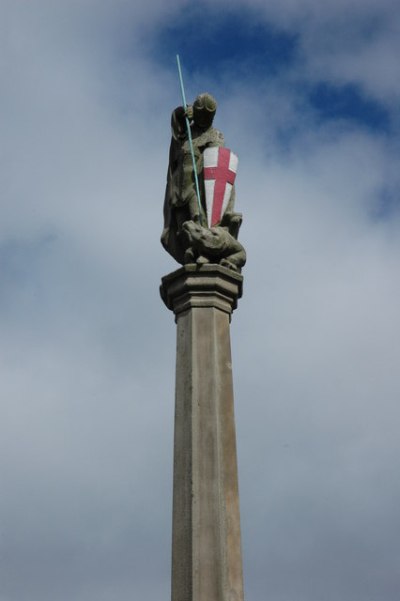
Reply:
x=182, y=205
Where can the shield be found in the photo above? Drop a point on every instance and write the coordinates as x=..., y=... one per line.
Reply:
x=220, y=166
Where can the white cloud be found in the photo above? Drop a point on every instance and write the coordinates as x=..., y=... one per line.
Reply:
x=87, y=348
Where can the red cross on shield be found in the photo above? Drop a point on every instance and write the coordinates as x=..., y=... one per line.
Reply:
x=220, y=166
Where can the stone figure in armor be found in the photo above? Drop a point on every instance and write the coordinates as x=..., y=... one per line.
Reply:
x=181, y=204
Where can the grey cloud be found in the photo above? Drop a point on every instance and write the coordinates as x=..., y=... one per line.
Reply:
x=87, y=348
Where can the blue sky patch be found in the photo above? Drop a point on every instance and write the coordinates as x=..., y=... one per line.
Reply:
x=218, y=45
x=348, y=102
x=208, y=39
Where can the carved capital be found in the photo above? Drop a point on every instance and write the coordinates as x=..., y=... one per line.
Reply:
x=207, y=285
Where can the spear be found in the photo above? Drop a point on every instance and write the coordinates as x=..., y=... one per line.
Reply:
x=189, y=133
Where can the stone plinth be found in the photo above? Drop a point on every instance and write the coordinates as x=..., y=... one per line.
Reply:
x=206, y=549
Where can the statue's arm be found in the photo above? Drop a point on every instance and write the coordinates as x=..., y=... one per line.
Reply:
x=178, y=121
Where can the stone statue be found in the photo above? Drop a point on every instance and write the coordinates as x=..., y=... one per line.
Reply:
x=215, y=245
x=201, y=230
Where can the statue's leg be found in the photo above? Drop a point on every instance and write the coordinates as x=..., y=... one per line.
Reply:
x=193, y=207
x=181, y=215
x=234, y=261
x=188, y=189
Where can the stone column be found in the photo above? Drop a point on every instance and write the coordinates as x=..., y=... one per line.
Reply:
x=206, y=548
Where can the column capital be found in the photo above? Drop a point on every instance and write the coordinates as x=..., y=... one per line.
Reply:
x=207, y=285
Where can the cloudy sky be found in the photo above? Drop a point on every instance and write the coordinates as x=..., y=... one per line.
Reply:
x=308, y=97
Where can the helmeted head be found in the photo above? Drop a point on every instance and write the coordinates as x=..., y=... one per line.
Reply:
x=204, y=109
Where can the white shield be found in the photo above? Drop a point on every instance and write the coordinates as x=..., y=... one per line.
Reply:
x=220, y=167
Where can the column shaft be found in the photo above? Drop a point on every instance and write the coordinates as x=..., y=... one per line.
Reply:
x=206, y=549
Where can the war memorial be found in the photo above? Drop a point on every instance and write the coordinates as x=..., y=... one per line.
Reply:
x=201, y=232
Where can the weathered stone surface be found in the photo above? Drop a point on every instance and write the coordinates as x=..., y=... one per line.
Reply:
x=201, y=286
x=206, y=548
x=213, y=245
x=193, y=138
